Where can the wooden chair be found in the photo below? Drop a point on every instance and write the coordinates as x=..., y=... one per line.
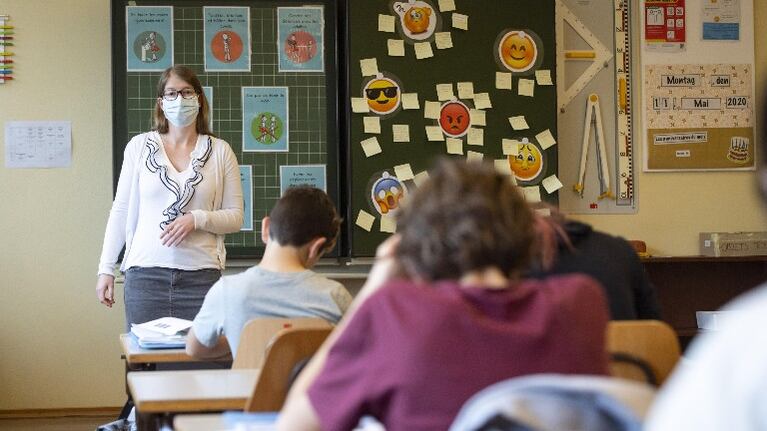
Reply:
x=259, y=332
x=637, y=344
x=288, y=348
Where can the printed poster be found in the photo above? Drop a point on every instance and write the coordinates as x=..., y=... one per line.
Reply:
x=721, y=19
x=300, y=39
x=665, y=25
x=265, y=119
x=699, y=117
x=246, y=178
x=227, y=39
x=149, y=38
x=209, y=96
x=302, y=175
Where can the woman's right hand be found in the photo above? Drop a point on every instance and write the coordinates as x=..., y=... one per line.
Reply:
x=105, y=289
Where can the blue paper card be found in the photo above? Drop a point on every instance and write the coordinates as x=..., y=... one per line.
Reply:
x=300, y=39
x=227, y=39
x=265, y=119
x=246, y=178
x=302, y=175
x=149, y=38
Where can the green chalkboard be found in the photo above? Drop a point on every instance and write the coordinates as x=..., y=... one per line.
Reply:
x=472, y=58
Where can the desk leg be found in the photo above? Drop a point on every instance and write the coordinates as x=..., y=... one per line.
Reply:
x=147, y=421
x=125, y=412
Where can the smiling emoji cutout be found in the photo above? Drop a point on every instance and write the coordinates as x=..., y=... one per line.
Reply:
x=382, y=95
x=454, y=119
x=418, y=18
x=527, y=164
x=518, y=51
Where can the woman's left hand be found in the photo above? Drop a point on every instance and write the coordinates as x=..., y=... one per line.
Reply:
x=175, y=232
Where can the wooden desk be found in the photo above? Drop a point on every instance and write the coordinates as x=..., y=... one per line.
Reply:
x=134, y=354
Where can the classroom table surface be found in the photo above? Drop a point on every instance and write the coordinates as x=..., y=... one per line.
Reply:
x=191, y=390
x=137, y=355
x=219, y=422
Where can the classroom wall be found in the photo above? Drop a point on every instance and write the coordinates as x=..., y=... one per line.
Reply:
x=58, y=345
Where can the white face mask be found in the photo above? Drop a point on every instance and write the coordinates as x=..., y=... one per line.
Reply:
x=181, y=112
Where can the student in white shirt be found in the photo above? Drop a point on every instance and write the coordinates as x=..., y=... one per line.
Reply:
x=179, y=192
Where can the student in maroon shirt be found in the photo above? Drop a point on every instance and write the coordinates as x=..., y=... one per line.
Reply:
x=444, y=314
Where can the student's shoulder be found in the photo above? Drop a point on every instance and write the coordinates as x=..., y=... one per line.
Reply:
x=320, y=281
x=568, y=285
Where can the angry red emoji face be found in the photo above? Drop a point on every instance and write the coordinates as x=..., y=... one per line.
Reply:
x=454, y=119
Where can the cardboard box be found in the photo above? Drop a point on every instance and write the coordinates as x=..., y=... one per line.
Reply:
x=733, y=243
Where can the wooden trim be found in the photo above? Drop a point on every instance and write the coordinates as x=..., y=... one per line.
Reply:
x=59, y=413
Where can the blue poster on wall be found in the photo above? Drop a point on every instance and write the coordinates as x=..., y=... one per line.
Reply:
x=149, y=38
x=300, y=41
x=302, y=175
x=227, y=39
x=246, y=178
x=209, y=96
x=265, y=119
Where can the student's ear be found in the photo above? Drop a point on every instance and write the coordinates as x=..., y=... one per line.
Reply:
x=316, y=249
x=265, y=230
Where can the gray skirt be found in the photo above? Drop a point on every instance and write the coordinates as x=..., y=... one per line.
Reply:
x=151, y=293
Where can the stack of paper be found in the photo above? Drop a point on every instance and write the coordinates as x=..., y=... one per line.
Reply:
x=162, y=333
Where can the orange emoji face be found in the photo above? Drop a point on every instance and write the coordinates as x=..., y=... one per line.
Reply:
x=416, y=19
x=518, y=51
x=382, y=95
x=527, y=164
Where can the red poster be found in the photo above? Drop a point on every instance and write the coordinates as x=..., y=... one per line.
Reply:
x=665, y=23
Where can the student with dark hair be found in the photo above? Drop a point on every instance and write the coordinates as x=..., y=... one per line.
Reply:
x=301, y=227
x=445, y=313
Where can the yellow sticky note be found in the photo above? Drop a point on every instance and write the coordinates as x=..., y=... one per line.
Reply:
x=365, y=220
x=423, y=50
x=518, y=122
x=502, y=166
x=476, y=136
x=510, y=147
x=403, y=172
x=526, y=87
x=431, y=110
x=482, y=101
x=545, y=212
x=445, y=92
x=372, y=124
x=400, y=133
x=465, y=90
x=543, y=77
x=396, y=47
x=460, y=21
x=546, y=139
x=454, y=146
x=477, y=117
x=388, y=224
x=386, y=23
x=410, y=101
x=473, y=156
x=446, y=5
x=532, y=194
x=421, y=177
x=551, y=184
x=371, y=147
x=360, y=105
x=443, y=40
x=503, y=80
x=434, y=134
x=369, y=66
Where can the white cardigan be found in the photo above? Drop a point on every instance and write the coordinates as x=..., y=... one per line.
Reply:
x=226, y=217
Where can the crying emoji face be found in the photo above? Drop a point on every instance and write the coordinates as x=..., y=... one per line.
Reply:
x=416, y=19
x=527, y=163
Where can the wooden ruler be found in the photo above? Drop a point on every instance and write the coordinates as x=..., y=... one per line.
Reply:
x=624, y=142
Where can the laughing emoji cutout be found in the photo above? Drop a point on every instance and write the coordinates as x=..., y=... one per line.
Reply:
x=382, y=95
x=527, y=164
x=454, y=119
x=518, y=51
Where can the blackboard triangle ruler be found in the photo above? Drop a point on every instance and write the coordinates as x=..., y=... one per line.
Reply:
x=624, y=144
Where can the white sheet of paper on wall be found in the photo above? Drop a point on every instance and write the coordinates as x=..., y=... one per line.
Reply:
x=526, y=87
x=400, y=132
x=477, y=117
x=546, y=139
x=423, y=50
x=465, y=90
x=421, y=177
x=369, y=66
x=454, y=146
x=445, y=92
x=386, y=23
x=502, y=166
x=365, y=220
x=532, y=194
x=410, y=101
x=543, y=77
x=388, y=224
x=443, y=40
x=518, y=122
x=503, y=80
x=372, y=124
x=460, y=21
x=434, y=134
x=510, y=147
x=551, y=184
x=403, y=172
x=396, y=47
x=473, y=156
x=371, y=147
x=482, y=101
x=431, y=110
x=476, y=136
x=360, y=105
x=446, y=5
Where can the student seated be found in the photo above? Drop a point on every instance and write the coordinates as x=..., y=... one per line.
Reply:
x=444, y=313
x=301, y=227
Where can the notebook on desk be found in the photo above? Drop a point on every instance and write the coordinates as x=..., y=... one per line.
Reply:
x=162, y=333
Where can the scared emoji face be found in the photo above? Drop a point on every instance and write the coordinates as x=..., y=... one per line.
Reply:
x=454, y=119
x=382, y=95
x=517, y=51
x=527, y=163
x=416, y=19
x=387, y=193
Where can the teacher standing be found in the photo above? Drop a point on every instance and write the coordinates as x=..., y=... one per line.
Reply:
x=179, y=192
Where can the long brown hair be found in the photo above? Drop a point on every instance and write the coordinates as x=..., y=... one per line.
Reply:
x=159, y=122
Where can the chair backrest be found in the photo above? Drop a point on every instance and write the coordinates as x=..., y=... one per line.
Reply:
x=259, y=332
x=651, y=342
x=289, y=347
